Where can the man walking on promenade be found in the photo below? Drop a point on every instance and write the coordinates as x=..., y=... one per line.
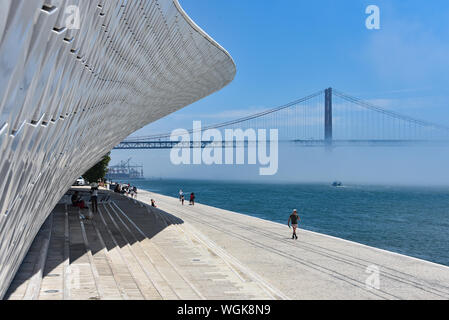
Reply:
x=294, y=218
x=181, y=194
x=94, y=198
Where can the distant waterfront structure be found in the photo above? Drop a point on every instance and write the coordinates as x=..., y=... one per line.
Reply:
x=68, y=96
x=125, y=170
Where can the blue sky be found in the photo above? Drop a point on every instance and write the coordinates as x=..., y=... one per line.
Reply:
x=290, y=48
x=287, y=49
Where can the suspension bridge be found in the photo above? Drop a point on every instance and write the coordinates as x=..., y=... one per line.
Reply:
x=326, y=118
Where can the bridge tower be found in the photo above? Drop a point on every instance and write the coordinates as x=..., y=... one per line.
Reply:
x=328, y=116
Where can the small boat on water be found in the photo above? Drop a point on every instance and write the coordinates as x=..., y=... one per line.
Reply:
x=337, y=184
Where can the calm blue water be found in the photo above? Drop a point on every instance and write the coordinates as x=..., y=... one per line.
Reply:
x=409, y=220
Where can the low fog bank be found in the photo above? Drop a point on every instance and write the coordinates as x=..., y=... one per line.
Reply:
x=358, y=165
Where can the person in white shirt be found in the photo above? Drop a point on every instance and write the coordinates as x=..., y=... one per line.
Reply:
x=94, y=198
x=180, y=194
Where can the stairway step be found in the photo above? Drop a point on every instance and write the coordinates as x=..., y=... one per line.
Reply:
x=179, y=251
x=66, y=262
x=81, y=282
x=106, y=280
x=153, y=271
x=222, y=274
x=52, y=285
x=34, y=285
x=127, y=251
x=26, y=282
x=124, y=278
x=152, y=284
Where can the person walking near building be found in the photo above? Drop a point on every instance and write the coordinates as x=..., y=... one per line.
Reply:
x=94, y=198
x=294, y=218
x=182, y=199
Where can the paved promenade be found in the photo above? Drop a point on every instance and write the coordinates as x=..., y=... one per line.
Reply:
x=132, y=251
x=316, y=266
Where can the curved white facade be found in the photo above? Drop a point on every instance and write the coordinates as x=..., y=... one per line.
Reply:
x=67, y=97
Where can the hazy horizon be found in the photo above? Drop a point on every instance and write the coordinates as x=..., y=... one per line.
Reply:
x=285, y=51
x=420, y=166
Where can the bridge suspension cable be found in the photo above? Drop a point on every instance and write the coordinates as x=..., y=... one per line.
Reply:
x=233, y=122
x=324, y=117
x=390, y=113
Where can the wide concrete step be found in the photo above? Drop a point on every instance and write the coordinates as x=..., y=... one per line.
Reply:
x=209, y=274
x=27, y=282
x=52, y=285
x=243, y=282
x=103, y=269
x=126, y=251
x=81, y=282
x=129, y=250
x=166, y=278
x=133, y=278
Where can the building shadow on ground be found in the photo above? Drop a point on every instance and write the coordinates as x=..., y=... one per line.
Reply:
x=120, y=221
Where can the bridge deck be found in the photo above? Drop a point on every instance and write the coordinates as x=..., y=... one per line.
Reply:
x=132, y=251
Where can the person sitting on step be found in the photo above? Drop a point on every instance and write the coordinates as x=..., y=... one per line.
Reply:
x=77, y=201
